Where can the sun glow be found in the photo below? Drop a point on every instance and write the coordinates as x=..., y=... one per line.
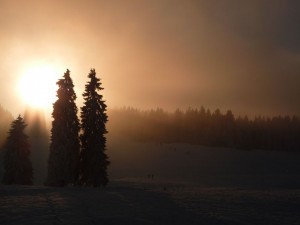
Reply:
x=37, y=86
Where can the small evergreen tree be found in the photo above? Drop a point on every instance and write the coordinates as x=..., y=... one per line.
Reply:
x=63, y=163
x=94, y=160
x=17, y=165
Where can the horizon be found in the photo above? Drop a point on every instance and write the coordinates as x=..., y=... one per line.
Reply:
x=46, y=114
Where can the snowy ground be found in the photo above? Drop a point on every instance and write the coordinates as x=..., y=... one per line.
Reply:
x=205, y=166
x=148, y=202
x=190, y=185
x=117, y=204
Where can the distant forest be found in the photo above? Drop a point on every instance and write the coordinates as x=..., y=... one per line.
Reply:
x=197, y=126
x=203, y=127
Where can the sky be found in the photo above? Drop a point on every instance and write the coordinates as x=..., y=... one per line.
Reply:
x=238, y=55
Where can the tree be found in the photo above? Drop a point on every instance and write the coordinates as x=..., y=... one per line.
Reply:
x=17, y=165
x=93, y=158
x=63, y=163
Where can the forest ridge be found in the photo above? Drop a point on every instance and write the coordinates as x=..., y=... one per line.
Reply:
x=203, y=127
x=196, y=126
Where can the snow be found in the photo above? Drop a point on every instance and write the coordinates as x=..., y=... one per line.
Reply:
x=117, y=204
x=191, y=185
x=144, y=202
x=204, y=166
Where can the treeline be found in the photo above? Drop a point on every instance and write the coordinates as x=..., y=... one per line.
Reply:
x=203, y=127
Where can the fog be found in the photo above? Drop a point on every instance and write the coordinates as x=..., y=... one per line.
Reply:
x=39, y=144
x=158, y=146
x=234, y=55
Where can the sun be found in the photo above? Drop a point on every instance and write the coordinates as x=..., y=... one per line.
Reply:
x=37, y=86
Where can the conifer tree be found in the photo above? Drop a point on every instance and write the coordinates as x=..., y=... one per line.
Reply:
x=17, y=165
x=94, y=160
x=63, y=162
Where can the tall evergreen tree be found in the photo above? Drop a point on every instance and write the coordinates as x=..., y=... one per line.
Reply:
x=63, y=163
x=17, y=165
x=94, y=160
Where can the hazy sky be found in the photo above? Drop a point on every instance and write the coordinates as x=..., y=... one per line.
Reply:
x=231, y=54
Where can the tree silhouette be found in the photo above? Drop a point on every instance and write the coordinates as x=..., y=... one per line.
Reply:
x=94, y=160
x=205, y=128
x=63, y=163
x=17, y=165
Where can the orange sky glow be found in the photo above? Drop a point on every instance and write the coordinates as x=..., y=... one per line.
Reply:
x=236, y=55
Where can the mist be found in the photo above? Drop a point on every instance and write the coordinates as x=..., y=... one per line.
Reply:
x=242, y=56
x=38, y=134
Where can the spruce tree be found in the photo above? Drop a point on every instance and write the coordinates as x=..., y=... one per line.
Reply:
x=17, y=165
x=94, y=160
x=63, y=162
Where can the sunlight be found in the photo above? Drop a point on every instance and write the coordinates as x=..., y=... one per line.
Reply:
x=37, y=85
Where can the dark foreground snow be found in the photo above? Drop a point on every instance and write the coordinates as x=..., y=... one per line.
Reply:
x=125, y=202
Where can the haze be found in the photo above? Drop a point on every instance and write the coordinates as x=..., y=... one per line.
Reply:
x=238, y=55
